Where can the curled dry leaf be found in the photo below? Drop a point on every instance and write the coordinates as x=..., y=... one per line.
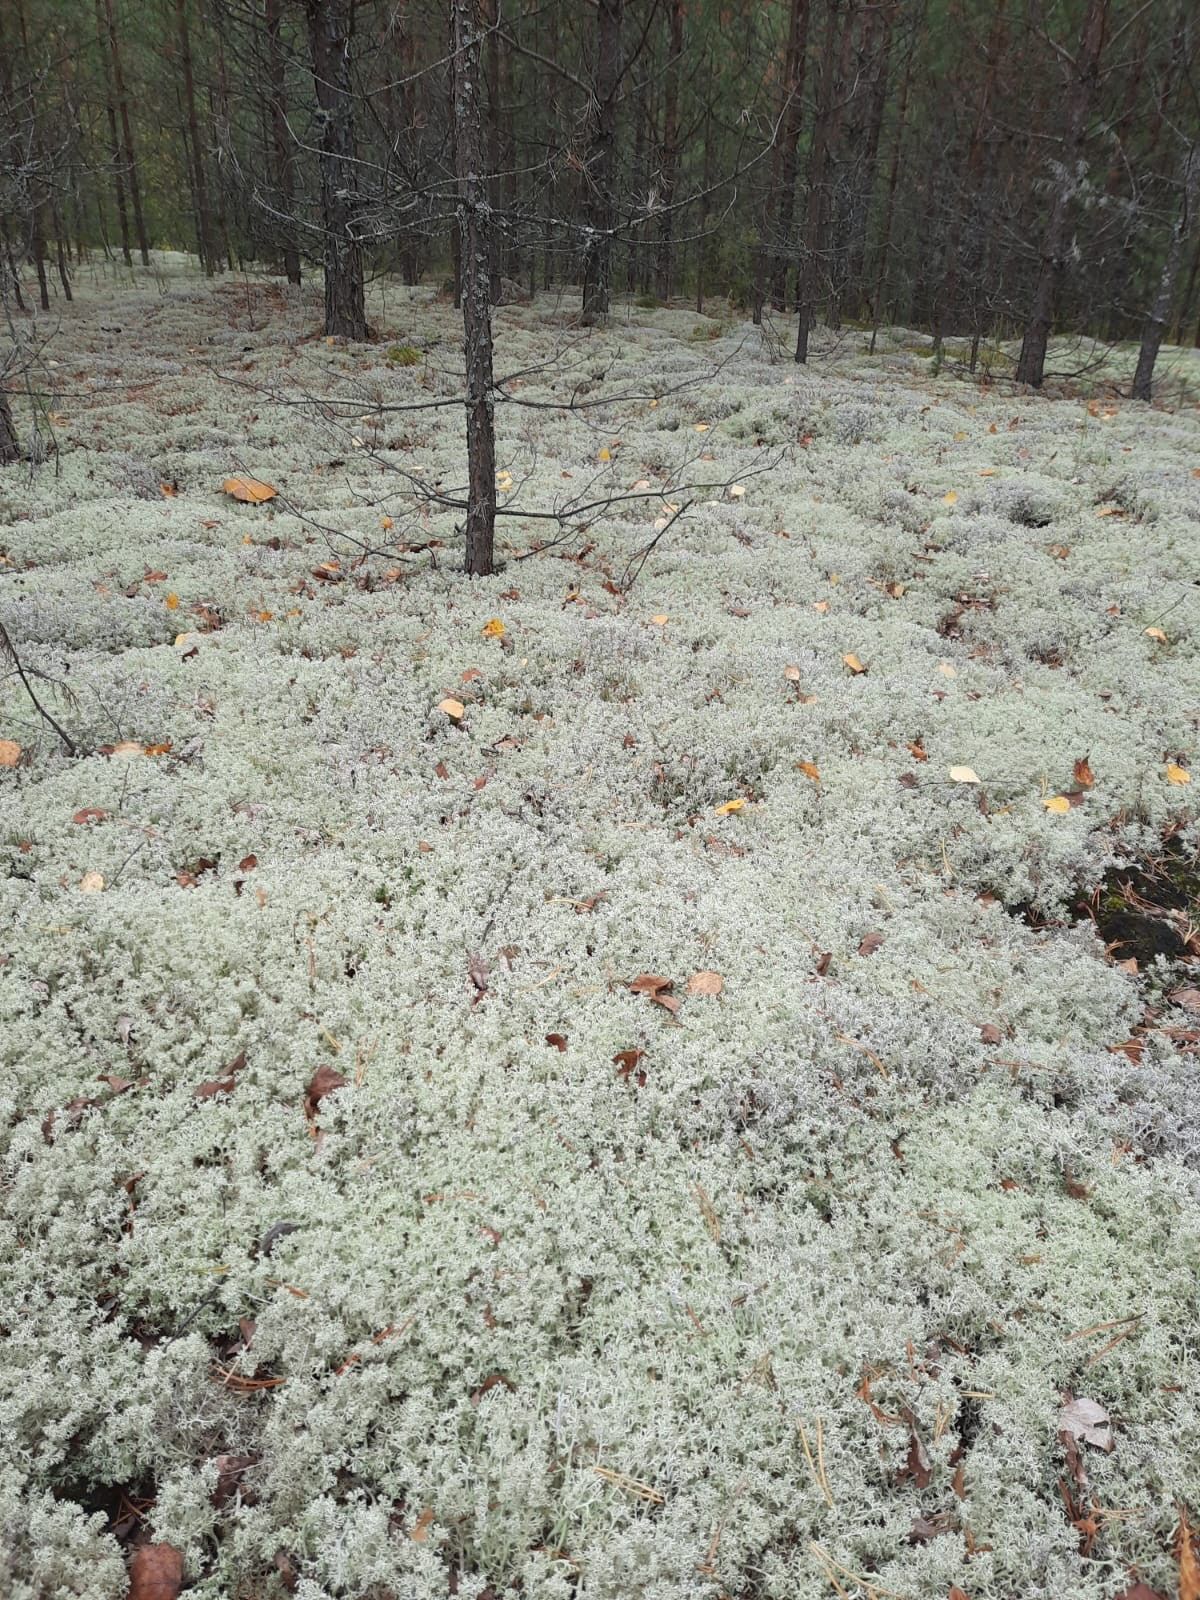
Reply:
x=155, y=1572
x=323, y=1081
x=250, y=490
x=705, y=983
x=1156, y=634
x=1088, y=1422
x=1084, y=776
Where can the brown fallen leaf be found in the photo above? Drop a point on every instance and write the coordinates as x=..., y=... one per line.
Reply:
x=155, y=1572
x=90, y=814
x=323, y=1081
x=1084, y=776
x=10, y=752
x=870, y=944
x=478, y=972
x=990, y=1034
x=810, y=770
x=1088, y=1422
x=420, y=1528
x=626, y=1062
x=558, y=1040
x=650, y=983
x=452, y=708
x=117, y=1084
x=251, y=490
x=854, y=664
x=214, y=1086
x=1140, y=1591
x=1189, y=999
x=1185, y=1554
x=708, y=983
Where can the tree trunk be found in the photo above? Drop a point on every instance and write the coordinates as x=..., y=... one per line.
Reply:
x=807, y=274
x=1031, y=367
x=114, y=143
x=879, y=89
x=601, y=205
x=10, y=445
x=1156, y=321
x=203, y=220
x=329, y=43
x=131, y=171
x=664, y=263
x=474, y=226
x=795, y=65
x=281, y=142
x=889, y=207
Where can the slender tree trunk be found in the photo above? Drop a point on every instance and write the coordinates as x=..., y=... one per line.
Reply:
x=1156, y=321
x=889, y=205
x=474, y=226
x=10, y=445
x=795, y=65
x=807, y=274
x=329, y=43
x=114, y=143
x=199, y=186
x=281, y=141
x=131, y=171
x=597, y=257
x=1085, y=79
x=879, y=89
x=664, y=264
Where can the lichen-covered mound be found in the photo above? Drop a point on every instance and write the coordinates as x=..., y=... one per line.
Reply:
x=369, y=1230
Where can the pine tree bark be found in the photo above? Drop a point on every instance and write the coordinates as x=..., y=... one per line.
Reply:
x=597, y=255
x=1085, y=73
x=281, y=144
x=1156, y=321
x=329, y=30
x=795, y=65
x=204, y=242
x=10, y=445
x=474, y=228
x=114, y=143
x=131, y=170
x=669, y=162
x=818, y=156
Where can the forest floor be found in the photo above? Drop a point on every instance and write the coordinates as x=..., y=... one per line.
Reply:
x=712, y=1115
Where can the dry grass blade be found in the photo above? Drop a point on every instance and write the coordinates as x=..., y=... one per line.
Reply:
x=633, y=1486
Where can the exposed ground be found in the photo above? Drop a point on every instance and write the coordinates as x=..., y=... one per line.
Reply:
x=776, y=1291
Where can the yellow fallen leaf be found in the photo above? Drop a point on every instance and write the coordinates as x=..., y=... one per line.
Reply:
x=821, y=605
x=452, y=708
x=702, y=427
x=603, y=454
x=730, y=807
x=660, y=619
x=386, y=524
x=10, y=752
x=810, y=770
x=947, y=670
x=183, y=640
x=854, y=664
x=963, y=775
x=950, y=498
x=91, y=883
x=1156, y=634
x=1177, y=774
x=172, y=601
x=705, y=983
x=1058, y=803
x=252, y=490
x=493, y=628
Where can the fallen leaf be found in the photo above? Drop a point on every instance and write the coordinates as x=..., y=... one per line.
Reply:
x=660, y=619
x=736, y=491
x=493, y=628
x=947, y=669
x=91, y=883
x=810, y=770
x=792, y=674
x=963, y=775
x=90, y=814
x=854, y=664
x=558, y=1040
x=1177, y=774
x=1140, y=1591
x=1189, y=999
x=1084, y=776
x=1185, y=1552
x=705, y=983
x=650, y=983
x=454, y=709
x=950, y=498
x=626, y=1062
x=252, y=490
x=1088, y=1422
x=821, y=605
x=870, y=943
x=478, y=972
x=420, y=1528
x=730, y=807
x=1156, y=634
x=172, y=601
x=1058, y=803
x=155, y=1572
x=323, y=1081
x=116, y=1083
x=247, y=863
x=10, y=752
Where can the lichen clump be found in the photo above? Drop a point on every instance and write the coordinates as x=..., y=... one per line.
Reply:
x=545, y=1287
